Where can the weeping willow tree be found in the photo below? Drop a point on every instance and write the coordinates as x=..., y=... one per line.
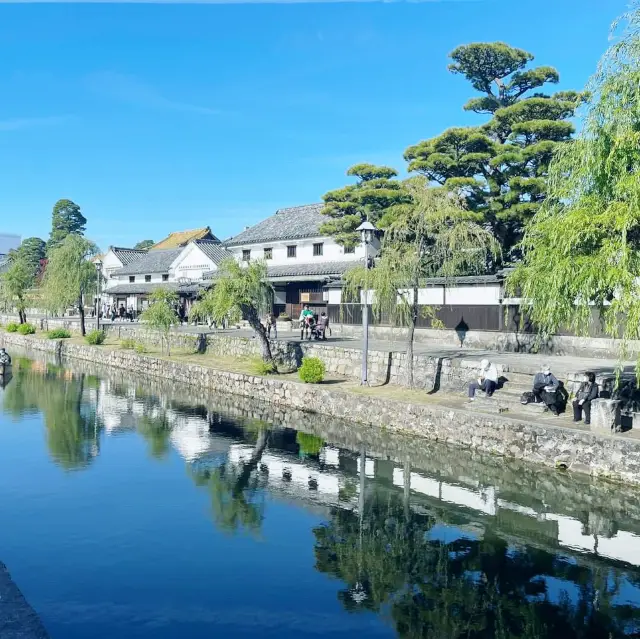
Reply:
x=239, y=291
x=582, y=250
x=432, y=235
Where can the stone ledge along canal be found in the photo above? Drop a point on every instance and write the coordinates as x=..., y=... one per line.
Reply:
x=137, y=508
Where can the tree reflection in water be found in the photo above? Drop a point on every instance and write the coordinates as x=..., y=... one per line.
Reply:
x=237, y=501
x=437, y=581
x=72, y=426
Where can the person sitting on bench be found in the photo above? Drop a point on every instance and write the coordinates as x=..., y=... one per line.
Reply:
x=587, y=392
x=487, y=380
x=545, y=387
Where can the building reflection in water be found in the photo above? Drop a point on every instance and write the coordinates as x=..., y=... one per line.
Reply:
x=440, y=554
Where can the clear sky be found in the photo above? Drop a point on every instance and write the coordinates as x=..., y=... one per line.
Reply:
x=161, y=117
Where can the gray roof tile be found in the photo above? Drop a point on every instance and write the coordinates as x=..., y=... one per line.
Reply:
x=156, y=261
x=286, y=224
x=213, y=250
x=127, y=255
x=142, y=288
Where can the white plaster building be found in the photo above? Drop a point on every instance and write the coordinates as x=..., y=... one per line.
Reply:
x=299, y=258
x=131, y=276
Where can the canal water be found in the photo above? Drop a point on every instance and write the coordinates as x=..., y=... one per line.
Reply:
x=135, y=508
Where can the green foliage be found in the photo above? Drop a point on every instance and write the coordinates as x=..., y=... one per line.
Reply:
x=32, y=251
x=238, y=291
x=11, y=327
x=311, y=370
x=15, y=284
x=433, y=235
x=140, y=348
x=500, y=167
x=368, y=198
x=95, y=337
x=161, y=314
x=260, y=367
x=128, y=343
x=283, y=317
x=582, y=250
x=58, y=333
x=66, y=219
x=69, y=275
x=26, y=329
x=309, y=445
x=145, y=244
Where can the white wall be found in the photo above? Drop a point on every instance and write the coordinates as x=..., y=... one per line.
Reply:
x=110, y=263
x=191, y=263
x=332, y=252
x=452, y=296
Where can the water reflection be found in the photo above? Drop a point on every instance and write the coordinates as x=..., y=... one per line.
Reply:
x=68, y=404
x=438, y=542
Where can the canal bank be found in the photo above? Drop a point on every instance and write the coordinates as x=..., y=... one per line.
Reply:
x=615, y=456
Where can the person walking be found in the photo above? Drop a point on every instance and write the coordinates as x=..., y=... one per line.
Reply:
x=271, y=324
x=487, y=380
x=587, y=392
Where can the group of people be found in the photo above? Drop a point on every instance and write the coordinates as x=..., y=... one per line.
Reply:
x=547, y=390
x=114, y=312
x=312, y=326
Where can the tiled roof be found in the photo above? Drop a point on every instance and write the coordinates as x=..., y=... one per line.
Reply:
x=4, y=264
x=142, y=288
x=313, y=269
x=182, y=238
x=317, y=268
x=286, y=224
x=213, y=250
x=127, y=255
x=157, y=261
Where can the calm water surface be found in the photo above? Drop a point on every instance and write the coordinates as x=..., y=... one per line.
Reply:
x=133, y=509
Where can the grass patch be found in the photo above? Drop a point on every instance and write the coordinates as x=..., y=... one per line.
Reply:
x=59, y=333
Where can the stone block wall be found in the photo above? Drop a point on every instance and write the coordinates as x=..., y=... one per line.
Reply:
x=616, y=456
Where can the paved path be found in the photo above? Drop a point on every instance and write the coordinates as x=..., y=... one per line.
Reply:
x=514, y=362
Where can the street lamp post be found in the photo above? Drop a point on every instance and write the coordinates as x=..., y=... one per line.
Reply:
x=98, y=276
x=367, y=232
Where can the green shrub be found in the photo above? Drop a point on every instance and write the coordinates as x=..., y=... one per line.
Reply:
x=283, y=317
x=140, y=348
x=12, y=327
x=260, y=367
x=312, y=370
x=128, y=343
x=59, y=333
x=95, y=337
x=26, y=329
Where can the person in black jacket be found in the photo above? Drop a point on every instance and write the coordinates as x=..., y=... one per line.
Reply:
x=587, y=392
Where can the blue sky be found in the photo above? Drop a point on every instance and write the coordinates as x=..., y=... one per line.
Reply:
x=161, y=117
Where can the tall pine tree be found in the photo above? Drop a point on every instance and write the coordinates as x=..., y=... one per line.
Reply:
x=500, y=167
x=65, y=220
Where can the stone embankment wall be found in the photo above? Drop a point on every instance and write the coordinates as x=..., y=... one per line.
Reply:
x=615, y=456
x=430, y=373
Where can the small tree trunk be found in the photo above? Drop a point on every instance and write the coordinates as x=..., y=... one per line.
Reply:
x=83, y=330
x=410, y=335
x=22, y=317
x=251, y=315
x=168, y=347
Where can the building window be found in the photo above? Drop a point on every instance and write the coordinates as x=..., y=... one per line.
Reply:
x=268, y=254
x=246, y=255
x=291, y=251
x=165, y=277
x=349, y=249
x=132, y=279
x=318, y=249
x=147, y=278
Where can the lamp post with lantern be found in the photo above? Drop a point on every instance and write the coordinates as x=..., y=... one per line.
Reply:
x=367, y=233
x=98, y=265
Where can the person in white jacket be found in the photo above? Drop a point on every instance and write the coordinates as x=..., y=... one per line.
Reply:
x=487, y=380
